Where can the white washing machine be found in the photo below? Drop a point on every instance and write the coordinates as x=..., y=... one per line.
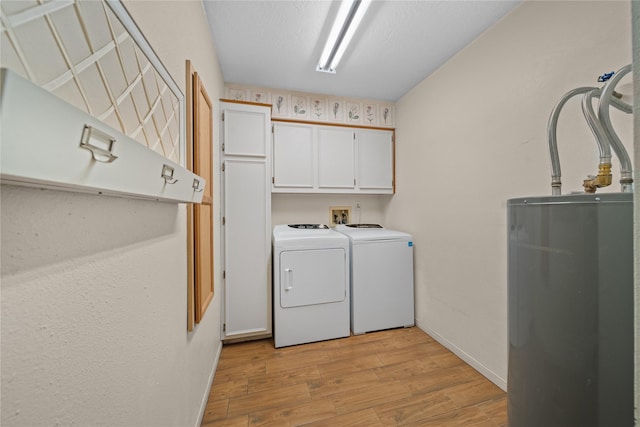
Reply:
x=381, y=277
x=310, y=284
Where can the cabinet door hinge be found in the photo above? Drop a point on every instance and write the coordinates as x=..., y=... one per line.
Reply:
x=224, y=274
x=224, y=327
x=354, y=182
x=273, y=179
x=222, y=166
x=224, y=221
x=272, y=127
x=223, y=116
x=223, y=147
x=354, y=136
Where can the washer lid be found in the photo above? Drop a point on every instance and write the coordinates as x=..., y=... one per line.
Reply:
x=368, y=234
x=298, y=237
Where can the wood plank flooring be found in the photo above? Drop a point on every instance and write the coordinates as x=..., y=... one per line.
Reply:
x=386, y=378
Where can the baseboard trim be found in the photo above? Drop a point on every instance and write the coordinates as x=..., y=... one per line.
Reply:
x=475, y=364
x=205, y=398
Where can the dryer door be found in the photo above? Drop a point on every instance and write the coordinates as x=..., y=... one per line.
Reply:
x=310, y=277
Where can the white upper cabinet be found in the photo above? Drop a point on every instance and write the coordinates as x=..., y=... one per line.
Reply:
x=293, y=159
x=246, y=132
x=336, y=151
x=375, y=160
x=309, y=158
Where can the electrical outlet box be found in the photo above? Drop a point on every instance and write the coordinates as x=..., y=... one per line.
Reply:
x=339, y=215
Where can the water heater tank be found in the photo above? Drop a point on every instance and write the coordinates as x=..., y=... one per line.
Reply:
x=570, y=287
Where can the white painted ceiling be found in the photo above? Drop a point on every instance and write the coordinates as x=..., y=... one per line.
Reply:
x=277, y=44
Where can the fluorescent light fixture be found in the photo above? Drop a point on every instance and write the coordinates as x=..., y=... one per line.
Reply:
x=345, y=25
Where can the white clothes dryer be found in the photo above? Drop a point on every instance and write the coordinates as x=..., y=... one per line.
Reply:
x=381, y=277
x=310, y=284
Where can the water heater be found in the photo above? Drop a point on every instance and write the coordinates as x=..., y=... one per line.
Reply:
x=570, y=287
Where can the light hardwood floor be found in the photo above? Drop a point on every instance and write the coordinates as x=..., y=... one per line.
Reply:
x=393, y=377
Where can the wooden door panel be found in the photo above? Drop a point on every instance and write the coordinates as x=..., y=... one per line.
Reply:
x=203, y=116
x=191, y=317
x=203, y=258
x=203, y=224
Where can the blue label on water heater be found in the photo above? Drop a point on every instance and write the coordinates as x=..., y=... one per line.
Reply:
x=410, y=244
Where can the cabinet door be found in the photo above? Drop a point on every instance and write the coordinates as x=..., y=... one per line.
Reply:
x=292, y=156
x=246, y=130
x=336, y=158
x=247, y=219
x=375, y=160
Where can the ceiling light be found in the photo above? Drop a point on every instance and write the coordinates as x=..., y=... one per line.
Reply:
x=345, y=25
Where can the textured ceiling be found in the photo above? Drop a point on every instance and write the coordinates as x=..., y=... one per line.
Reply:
x=276, y=44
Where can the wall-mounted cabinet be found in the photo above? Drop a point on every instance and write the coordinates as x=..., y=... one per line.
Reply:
x=336, y=153
x=49, y=143
x=375, y=160
x=309, y=158
x=293, y=157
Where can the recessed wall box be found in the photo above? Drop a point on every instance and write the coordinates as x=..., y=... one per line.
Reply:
x=339, y=215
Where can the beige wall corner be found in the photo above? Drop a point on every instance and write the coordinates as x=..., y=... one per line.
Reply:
x=478, y=124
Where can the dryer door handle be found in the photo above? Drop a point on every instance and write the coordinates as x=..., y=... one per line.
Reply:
x=288, y=279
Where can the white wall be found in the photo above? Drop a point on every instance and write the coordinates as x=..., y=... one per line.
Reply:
x=94, y=288
x=314, y=208
x=473, y=135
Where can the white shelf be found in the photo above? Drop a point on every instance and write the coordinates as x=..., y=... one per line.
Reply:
x=43, y=145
